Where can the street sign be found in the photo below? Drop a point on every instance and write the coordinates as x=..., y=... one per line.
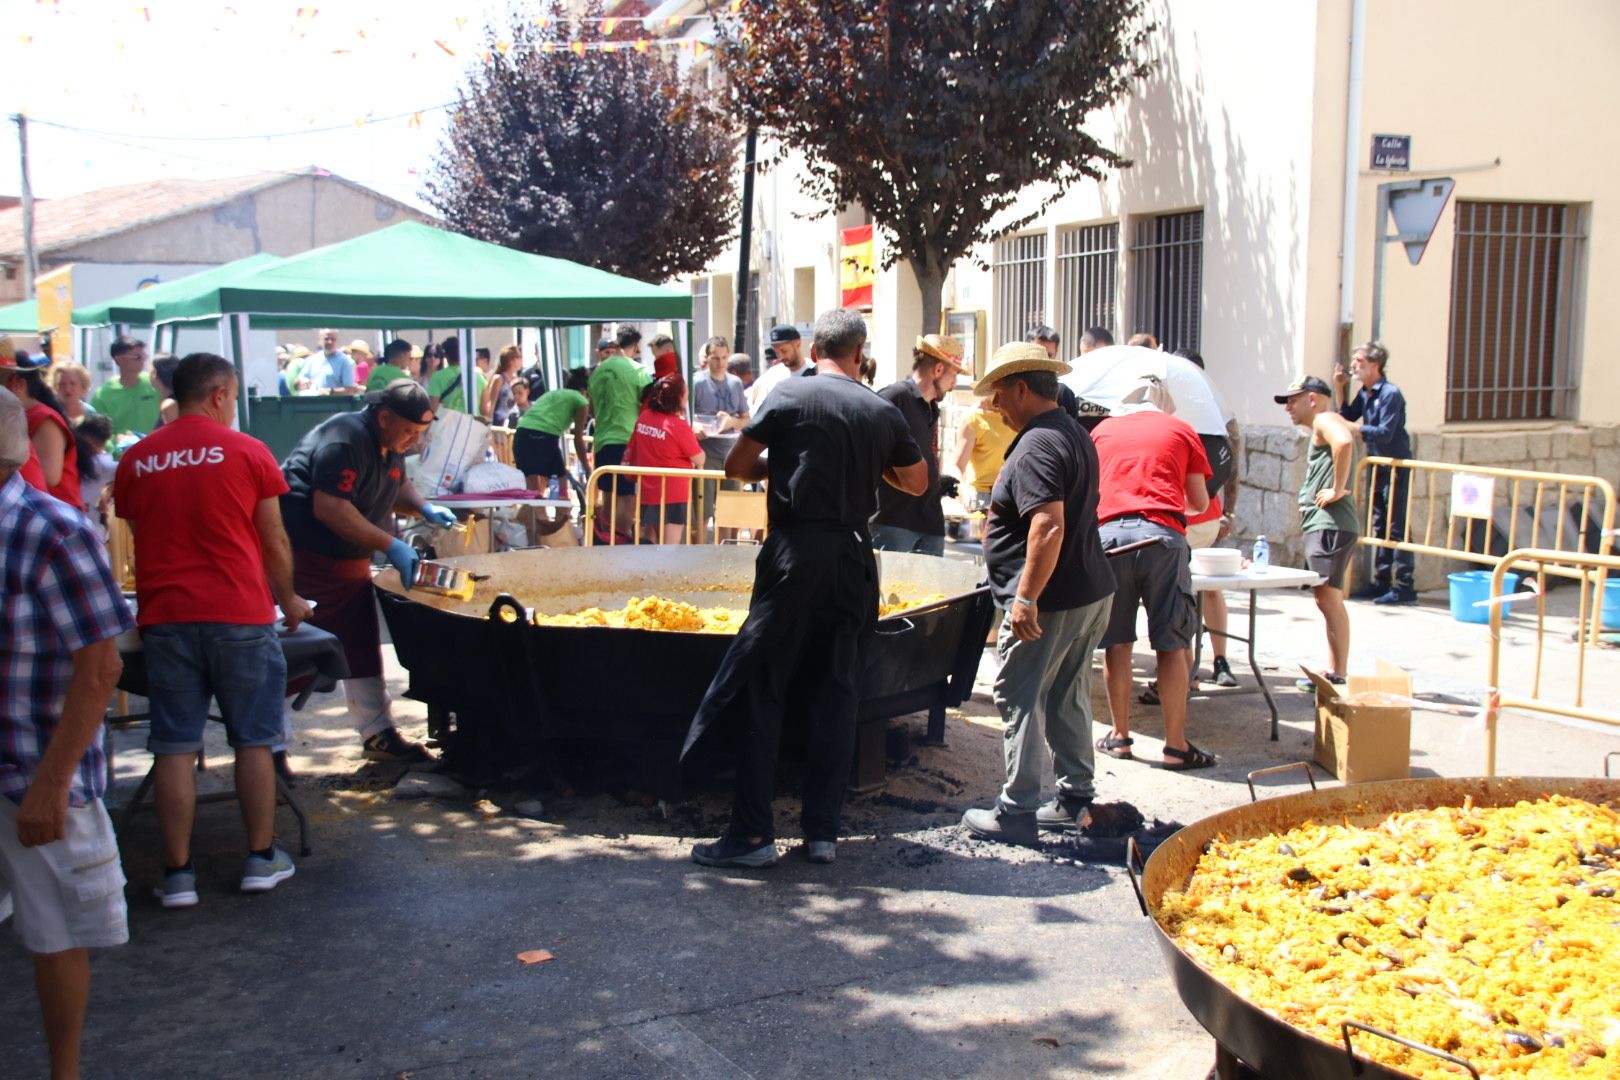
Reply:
x=1392, y=153
x=1417, y=210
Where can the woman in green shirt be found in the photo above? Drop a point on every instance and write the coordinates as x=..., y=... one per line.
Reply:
x=537, y=441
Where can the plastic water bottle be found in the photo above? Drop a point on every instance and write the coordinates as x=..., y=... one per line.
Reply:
x=1261, y=558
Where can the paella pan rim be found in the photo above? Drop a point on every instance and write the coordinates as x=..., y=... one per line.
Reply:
x=1269, y=1044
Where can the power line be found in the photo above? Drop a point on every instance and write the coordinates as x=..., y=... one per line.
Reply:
x=239, y=138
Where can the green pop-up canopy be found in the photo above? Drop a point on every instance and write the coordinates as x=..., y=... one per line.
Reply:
x=20, y=318
x=413, y=275
x=136, y=308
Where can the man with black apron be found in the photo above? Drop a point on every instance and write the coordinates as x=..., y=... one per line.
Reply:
x=814, y=605
x=346, y=480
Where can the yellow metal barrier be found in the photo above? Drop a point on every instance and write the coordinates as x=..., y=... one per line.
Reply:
x=1532, y=495
x=1591, y=571
x=696, y=519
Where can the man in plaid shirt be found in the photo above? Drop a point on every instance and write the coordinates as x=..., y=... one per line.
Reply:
x=60, y=611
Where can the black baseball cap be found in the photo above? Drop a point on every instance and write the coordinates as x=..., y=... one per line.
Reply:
x=1303, y=385
x=783, y=333
x=406, y=398
x=603, y=344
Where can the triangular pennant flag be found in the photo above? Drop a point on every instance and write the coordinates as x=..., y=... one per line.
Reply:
x=697, y=49
x=485, y=55
x=578, y=48
x=447, y=49
x=608, y=25
x=502, y=47
x=608, y=46
x=542, y=22
x=415, y=121
x=641, y=45
x=308, y=12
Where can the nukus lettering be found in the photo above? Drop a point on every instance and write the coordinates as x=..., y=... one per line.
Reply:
x=179, y=459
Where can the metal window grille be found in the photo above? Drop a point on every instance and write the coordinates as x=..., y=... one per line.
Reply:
x=1087, y=281
x=1018, y=278
x=1514, y=281
x=1168, y=254
x=700, y=312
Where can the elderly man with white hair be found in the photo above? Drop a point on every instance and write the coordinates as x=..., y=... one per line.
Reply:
x=1153, y=469
x=60, y=611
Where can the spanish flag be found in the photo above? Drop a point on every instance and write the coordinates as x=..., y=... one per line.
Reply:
x=855, y=264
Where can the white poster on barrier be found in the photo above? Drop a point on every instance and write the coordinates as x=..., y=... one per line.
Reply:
x=1471, y=495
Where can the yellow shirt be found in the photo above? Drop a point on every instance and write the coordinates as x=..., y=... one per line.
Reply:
x=991, y=437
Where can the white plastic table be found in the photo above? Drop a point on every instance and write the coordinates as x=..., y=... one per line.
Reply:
x=1252, y=581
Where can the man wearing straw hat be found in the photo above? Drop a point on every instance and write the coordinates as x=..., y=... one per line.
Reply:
x=916, y=523
x=1048, y=573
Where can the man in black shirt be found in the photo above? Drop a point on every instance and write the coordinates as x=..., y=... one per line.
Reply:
x=916, y=523
x=1049, y=574
x=815, y=595
x=346, y=480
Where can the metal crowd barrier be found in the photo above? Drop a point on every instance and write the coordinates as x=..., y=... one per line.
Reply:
x=733, y=510
x=1529, y=498
x=1592, y=572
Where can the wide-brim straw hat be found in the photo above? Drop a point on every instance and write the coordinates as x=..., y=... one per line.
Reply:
x=359, y=346
x=1015, y=358
x=942, y=347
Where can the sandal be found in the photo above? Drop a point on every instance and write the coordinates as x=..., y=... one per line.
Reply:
x=1116, y=746
x=1150, y=696
x=1190, y=758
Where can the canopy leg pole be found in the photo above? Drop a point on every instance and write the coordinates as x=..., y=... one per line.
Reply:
x=469, y=369
x=238, y=332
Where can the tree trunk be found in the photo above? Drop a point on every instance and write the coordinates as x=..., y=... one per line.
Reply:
x=931, y=283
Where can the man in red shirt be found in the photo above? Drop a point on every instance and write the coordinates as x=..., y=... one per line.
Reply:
x=204, y=504
x=1153, y=470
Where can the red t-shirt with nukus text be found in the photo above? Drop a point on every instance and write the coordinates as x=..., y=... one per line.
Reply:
x=189, y=491
x=662, y=441
x=1143, y=461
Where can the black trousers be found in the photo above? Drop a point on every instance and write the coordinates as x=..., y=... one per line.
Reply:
x=813, y=612
x=1390, y=568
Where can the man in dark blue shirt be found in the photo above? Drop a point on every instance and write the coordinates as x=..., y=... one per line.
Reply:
x=1378, y=413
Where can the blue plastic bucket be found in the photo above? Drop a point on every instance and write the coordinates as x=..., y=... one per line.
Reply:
x=1611, y=604
x=1469, y=587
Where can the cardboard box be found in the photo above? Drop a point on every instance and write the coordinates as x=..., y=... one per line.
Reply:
x=1361, y=741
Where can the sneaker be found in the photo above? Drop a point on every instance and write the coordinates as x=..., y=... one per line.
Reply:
x=1221, y=673
x=1397, y=596
x=1371, y=591
x=821, y=852
x=1061, y=814
x=729, y=851
x=262, y=875
x=1003, y=826
x=179, y=889
x=1310, y=687
x=389, y=745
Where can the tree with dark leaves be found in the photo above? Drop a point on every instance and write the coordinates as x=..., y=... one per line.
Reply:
x=611, y=158
x=935, y=114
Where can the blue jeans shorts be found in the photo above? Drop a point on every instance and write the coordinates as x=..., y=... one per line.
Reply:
x=240, y=667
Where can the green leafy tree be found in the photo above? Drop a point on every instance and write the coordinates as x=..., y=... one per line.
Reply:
x=614, y=159
x=935, y=114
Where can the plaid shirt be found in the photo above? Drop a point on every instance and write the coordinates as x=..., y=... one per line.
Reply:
x=57, y=595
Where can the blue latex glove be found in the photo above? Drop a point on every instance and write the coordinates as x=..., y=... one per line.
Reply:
x=404, y=559
x=439, y=515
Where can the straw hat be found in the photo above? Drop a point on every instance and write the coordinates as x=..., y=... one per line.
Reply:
x=359, y=346
x=299, y=352
x=1014, y=358
x=942, y=347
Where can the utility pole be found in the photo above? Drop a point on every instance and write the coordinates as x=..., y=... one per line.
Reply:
x=30, y=256
x=745, y=245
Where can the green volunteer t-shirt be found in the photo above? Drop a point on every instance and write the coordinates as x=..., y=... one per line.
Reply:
x=130, y=408
x=554, y=411
x=382, y=375
x=446, y=386
x=616, y=399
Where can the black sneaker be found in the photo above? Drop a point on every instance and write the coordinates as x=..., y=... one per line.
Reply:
x=389, y=745
x=734, y=851
x=1061, y=814
x=1221, y=673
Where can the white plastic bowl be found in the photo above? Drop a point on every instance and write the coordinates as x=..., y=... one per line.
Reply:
x=1216, y=562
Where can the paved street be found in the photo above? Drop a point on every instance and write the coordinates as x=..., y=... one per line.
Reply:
x=920, y=953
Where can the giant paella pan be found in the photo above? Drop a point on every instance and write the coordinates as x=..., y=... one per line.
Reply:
x=517, y=680
x=1429, y=928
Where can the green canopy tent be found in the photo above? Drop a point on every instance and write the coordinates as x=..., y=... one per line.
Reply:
x=415, y=276
x=136, y=308
x=20, y=318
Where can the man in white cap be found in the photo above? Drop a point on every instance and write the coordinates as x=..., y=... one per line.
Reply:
x=1049, y=574
x=916, y=523
x=1153, y=474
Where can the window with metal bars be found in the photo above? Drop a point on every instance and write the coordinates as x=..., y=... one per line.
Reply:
x=700, y=312
x=1018, y=278
x=1087, y=281
x=1515, y=274
x=1167, y=252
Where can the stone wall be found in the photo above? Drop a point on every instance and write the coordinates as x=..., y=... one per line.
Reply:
x=1273, y=464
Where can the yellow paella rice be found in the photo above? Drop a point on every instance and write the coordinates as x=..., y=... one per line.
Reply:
x=1491, y=933
x=657, y=613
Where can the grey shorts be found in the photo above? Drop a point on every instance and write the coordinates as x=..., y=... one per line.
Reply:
x=1327, y=552
x=1159, y=578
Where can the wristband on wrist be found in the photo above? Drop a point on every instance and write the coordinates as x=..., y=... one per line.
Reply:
x=1022, y=600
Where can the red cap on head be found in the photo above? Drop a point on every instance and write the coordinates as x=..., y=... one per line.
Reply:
x=665, y=364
